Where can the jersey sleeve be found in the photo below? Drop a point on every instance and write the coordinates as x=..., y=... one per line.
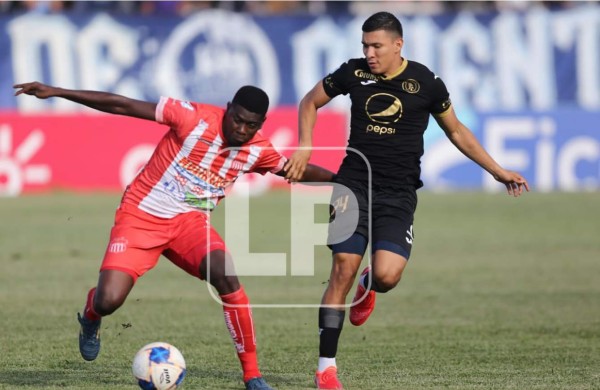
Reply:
x=270, y=160
x=336, y=83
x=440, y=102
x=179, y=115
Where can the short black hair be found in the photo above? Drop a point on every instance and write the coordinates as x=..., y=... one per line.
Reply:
x=252, y=99
x=382, y=21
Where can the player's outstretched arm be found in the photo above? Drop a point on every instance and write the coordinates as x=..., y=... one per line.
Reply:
x=307, y=117
x=312, y=174
x=101, y=101
x=468, y=144
x=514, y=182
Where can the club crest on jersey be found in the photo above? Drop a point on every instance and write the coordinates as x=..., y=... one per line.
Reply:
x=365, y=75
x=411, y=86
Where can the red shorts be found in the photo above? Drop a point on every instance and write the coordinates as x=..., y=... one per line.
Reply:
x=137, y=240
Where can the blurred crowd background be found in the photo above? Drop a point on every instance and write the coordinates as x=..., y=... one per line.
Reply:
x=523, y=75
x=184, y=8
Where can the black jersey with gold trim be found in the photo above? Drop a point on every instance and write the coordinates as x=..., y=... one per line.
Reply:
x=388, y=118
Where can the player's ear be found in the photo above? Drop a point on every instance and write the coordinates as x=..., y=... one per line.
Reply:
x=399, y=43
x=261, y=123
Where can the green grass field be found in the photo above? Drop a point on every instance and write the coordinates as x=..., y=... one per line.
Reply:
x=500, y=293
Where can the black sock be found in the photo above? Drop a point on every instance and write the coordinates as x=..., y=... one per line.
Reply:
x=331, y=322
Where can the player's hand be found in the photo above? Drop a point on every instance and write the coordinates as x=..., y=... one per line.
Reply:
x=294, y=168
x=37, y=89
x=514, y=182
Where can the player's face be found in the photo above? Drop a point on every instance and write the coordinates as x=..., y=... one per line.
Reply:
x=240, y=125
x=382, y=51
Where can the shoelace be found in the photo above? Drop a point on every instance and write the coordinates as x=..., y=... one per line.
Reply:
x=89, y=328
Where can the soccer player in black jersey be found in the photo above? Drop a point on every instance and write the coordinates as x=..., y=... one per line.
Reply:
x=392, y=99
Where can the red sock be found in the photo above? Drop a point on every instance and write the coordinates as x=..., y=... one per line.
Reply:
x=88, y=311
x=238, y=318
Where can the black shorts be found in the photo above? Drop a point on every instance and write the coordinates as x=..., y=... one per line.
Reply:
x=382, y=215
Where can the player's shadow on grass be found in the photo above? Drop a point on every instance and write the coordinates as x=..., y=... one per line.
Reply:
x=201, y=378
x=57, y=377
x=81, y=376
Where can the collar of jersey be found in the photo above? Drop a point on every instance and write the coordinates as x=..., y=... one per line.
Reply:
x=397, y=73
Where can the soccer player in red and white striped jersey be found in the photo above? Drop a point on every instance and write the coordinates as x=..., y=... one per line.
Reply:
x=166, y=209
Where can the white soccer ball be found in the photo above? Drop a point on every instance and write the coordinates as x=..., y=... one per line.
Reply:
x=159, y=366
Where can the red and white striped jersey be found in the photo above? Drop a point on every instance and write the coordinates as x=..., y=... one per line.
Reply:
x=192, y=168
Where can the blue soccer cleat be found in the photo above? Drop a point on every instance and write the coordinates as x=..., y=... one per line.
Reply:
x=89, y=338
x=257, y=383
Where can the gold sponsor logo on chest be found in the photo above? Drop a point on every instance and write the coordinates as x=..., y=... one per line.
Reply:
x=365, y=75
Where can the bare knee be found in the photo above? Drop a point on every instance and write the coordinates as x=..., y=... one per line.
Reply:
x=386, y=283
x=221, y=274
x=225, y=284
x=106, y=303
x=387, y=270
x=386, y=278
x=113, y=288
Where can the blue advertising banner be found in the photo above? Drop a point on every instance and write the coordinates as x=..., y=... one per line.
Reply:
x=508, y=61
x=555, y=150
